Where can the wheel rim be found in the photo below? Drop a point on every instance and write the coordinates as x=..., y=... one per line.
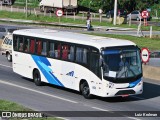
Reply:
x=85, y=90
x=37, y=78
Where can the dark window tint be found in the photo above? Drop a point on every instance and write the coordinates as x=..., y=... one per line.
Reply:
x=81, y=55
x=67, y=52
x=20, y=43
x=44, y=48
x=38, y=48
x=94, y=63
x=26, y=44
x=32, y=46
x=57, y=50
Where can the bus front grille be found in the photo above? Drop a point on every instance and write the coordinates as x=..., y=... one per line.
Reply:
x=123, y=92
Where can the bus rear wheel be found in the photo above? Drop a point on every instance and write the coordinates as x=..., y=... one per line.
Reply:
x=85, y=90
x=37, y=78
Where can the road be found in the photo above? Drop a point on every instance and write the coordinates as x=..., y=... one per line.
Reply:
x=51, y=98
x=82, y=30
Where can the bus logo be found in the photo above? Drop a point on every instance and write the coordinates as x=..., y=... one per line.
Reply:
x=70, y=73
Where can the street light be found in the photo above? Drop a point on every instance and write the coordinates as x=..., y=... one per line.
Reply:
x=115, y=12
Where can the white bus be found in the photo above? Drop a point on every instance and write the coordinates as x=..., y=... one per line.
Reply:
x=93, y=65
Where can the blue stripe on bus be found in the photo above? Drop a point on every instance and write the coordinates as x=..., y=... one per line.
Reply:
x=43, y=64
x=133, y=84
x=56, y=79
x=111, y=52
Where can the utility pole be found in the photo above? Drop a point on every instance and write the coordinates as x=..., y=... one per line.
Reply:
x=26, y=8
x=115, y=12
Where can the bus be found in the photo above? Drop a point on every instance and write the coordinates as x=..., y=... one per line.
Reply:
x=92, y=65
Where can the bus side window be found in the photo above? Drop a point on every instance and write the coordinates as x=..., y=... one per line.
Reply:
x=15, y=43
x=26, y=44
x=32, y=46
x=81, y=55
x=38, y=47
x=20, y=44
x=57, y=50
x=65, y=52
x=71, y=53
x=51, y=50
x=44, y=48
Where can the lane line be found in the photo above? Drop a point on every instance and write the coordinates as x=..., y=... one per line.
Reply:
x=113, y=112
x=5, y=66
x=133, y=118
x=99, y=109
x=43, y=93
x=102, y=109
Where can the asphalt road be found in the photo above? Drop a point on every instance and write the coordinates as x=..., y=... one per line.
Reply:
x=51, y=98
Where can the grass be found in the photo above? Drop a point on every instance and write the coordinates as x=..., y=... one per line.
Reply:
x=150, y=43
x=11, y=106
x=22, y=3
x=42, y=18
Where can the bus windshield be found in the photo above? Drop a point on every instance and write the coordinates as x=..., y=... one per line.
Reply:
x=121, y=62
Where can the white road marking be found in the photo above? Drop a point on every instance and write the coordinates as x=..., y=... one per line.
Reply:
x=113, y=112
x=62, y=118
x=102, y=109
x=43, y=93
x=133, y=118
x=99, y=109
x=5, y=66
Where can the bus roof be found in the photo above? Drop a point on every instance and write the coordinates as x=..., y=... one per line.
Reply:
x=95, y=41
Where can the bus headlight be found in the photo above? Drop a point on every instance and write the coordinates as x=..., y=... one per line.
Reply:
x=111, y=85
x=140, y=83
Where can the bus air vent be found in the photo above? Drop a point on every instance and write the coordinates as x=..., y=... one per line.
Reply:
x=123, y=92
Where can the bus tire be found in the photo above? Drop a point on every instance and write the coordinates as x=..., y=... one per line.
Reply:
x=37, y=78
x=9, y=57
x=85, y=90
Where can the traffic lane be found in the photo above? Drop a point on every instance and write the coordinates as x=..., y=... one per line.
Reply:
x=73, y=95
x=40, y=103
x=4, y=62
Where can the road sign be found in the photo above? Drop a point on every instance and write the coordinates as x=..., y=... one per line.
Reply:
x=145, y=55
x=145, y=14
x=59, y=13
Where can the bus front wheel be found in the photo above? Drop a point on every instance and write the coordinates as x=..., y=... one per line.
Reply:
x=37, y=78
x=85, y=90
